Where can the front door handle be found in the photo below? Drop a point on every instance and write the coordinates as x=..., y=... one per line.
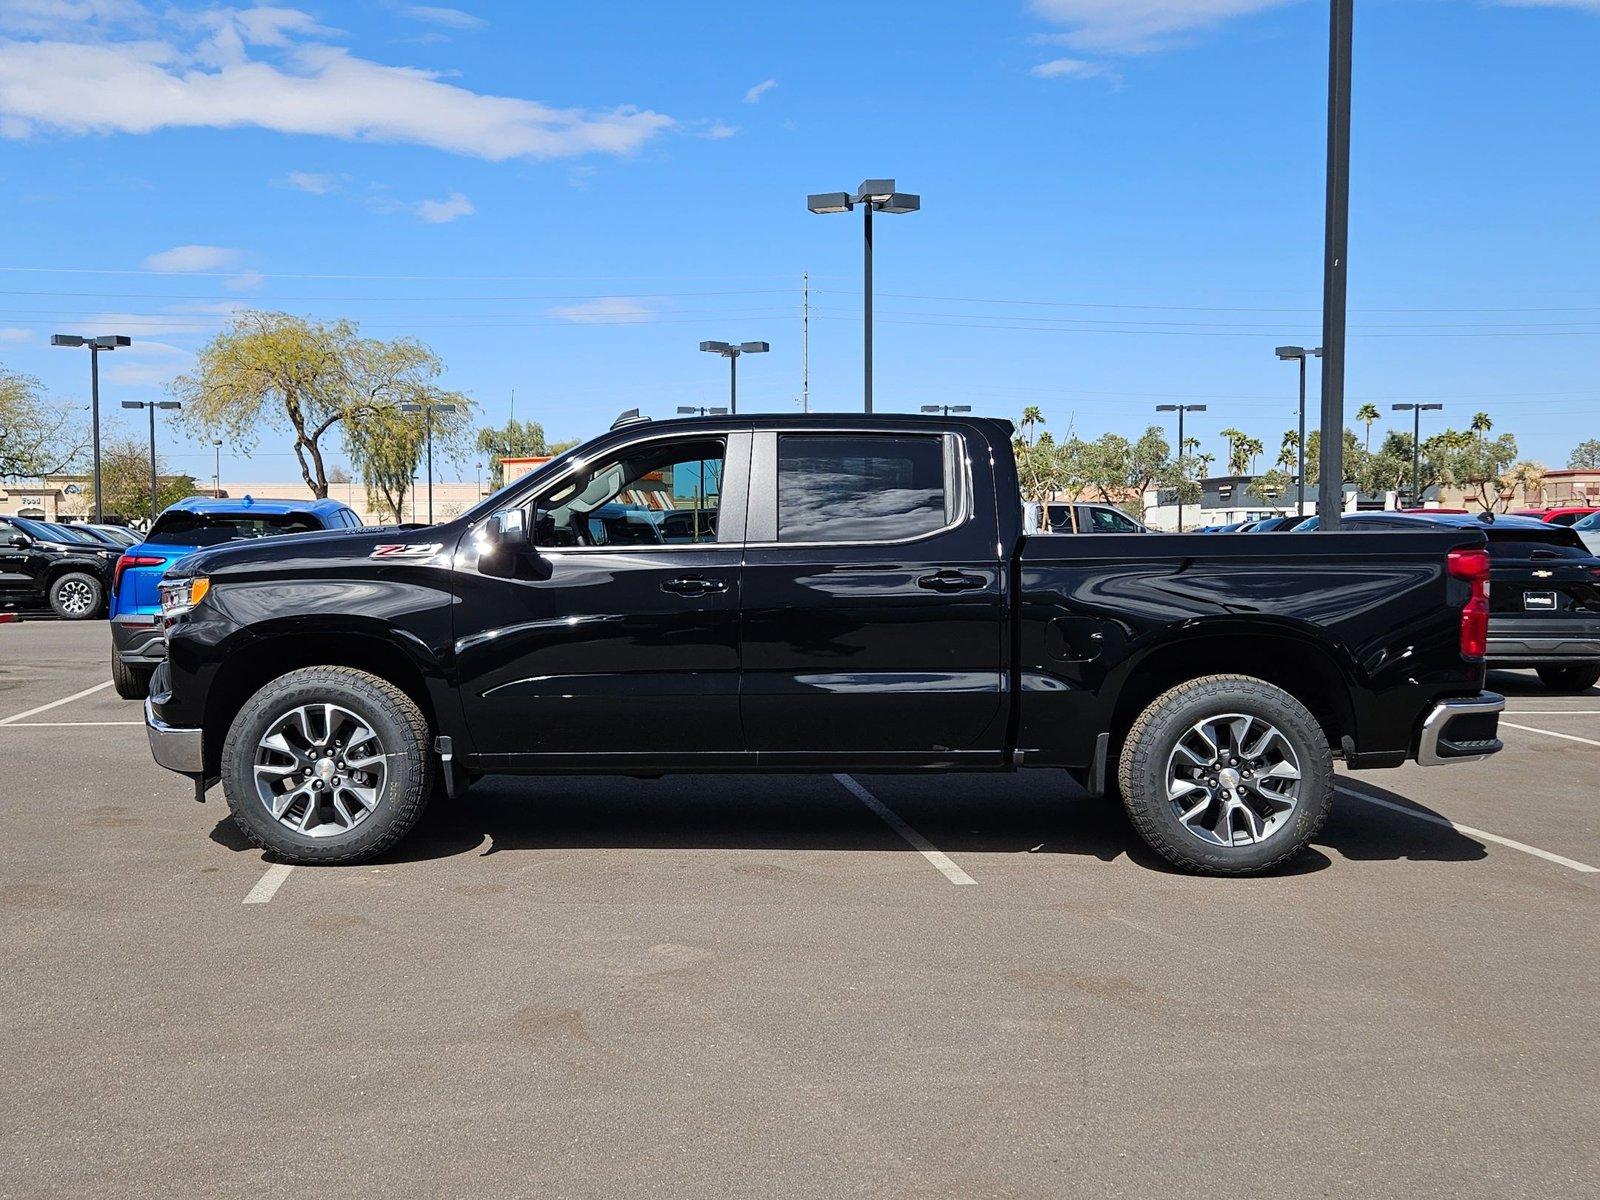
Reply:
x=693, y=585
x=952, y=581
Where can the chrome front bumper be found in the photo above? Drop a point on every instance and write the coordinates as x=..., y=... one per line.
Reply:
x=1459, y=731
x=174, y=748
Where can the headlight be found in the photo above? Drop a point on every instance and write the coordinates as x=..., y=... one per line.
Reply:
x=178, y=596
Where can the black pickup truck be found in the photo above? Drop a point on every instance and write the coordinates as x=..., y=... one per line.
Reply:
x=821, y=593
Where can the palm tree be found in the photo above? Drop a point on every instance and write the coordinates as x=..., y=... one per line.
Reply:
x=1237, y=462
x=1367, y=414
x=1031, y=416
x=1252, y=447
x=1481, y=424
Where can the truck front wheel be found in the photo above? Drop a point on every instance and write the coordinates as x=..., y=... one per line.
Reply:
x=1226, y=775
x=327, y=765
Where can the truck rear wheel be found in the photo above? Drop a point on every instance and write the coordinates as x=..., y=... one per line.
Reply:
x=131, y=683
x=76, y=596
x=1578, y=677
x=1226, y=775
x=327, y=765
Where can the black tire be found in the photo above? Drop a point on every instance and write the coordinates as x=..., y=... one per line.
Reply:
x=402, y=732
x=1578, y=677
x=1153, y=738
x=76, y=596
x=131, y=683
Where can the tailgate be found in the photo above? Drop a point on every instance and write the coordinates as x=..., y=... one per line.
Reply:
x=137, y=590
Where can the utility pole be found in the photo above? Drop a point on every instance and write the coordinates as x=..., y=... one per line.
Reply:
x=1335, y=265
x=1180, y=409
x=805, y=342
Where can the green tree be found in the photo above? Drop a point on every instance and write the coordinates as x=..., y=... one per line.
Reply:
x=387, y=445
x=270, y=370
x=125, y=476
x=1585, y=455
x=1367, y=414
x=514, y=439
x=1481, y=424
x=35, y=439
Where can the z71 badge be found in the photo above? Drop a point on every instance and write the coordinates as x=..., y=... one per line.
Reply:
x=407, y=550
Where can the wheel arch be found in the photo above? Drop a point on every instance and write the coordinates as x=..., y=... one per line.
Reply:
x=1284, y=655
x=365, y=646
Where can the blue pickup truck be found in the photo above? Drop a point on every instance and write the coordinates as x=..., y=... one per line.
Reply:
x=197, y=523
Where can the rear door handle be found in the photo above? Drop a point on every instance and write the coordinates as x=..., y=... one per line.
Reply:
x=952, y=581
x=693, y=585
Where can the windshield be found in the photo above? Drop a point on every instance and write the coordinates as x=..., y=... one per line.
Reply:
x=496, y=500
x=213, y=529
x=1589, y=524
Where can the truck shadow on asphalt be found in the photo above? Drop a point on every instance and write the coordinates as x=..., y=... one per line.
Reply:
x=958, y=814
x=1526, y=683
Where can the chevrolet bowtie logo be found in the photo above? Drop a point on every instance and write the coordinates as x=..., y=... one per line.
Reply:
x=1543, y=574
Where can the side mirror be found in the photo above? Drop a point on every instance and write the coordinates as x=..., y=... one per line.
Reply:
x=19, y=540
x=509, y=528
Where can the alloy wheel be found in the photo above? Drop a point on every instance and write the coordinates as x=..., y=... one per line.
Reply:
x=320, y=770
x=1233, y=780
x=75, y=597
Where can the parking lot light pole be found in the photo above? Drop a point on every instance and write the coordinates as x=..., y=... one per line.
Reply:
x=108, y=341
x=1288, y=354
x=427, y=408
x=1180, y=409
x=1335, y=265
x=947, y=409
x=216, y=469
x=731, y=352
x=1416, y=411
x=873, y=195
x=152, y=405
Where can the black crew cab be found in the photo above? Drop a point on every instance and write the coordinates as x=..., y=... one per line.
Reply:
x=46, y=564
x=814, y=593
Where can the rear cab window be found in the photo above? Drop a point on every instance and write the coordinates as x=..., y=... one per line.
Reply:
x=839, y=487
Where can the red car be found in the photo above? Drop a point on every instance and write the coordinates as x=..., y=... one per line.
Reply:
x=1568, y=515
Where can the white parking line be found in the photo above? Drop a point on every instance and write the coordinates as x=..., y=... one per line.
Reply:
x=1482, y=835
x=267, y=886
x=1553, y=712
x=61, y=724
x=89, y=691
x=1566, y=737
x=915, y=840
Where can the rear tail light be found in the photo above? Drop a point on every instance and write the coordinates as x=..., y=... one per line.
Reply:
x=131, y=560
x=1472, y=566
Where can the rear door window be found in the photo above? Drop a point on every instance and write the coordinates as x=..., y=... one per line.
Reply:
x=862, y=487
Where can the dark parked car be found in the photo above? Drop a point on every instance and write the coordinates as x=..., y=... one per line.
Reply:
x=867, y=602
x=1544, y=604
x=1275, y=524
x=44, y=563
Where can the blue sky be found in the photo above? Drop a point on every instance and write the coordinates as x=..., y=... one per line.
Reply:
x=1122, y=201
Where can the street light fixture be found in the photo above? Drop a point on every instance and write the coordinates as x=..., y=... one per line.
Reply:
x=873, y=195
x=1290, y=354
x=1180, y=409
x=731, y=352
x=427, y=408
x=947, y=409
x=152, y=405
x=216, y=470
x=109, y=341
x=1416, y=411
x=692, y=410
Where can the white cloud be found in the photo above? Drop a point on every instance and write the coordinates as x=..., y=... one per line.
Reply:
x=719, y=130
x=605, y=310
x=245, y=281
x=51, y=16
x=440, y=212
x=450, y=18
x=1138, y=26
x=192, y=258
x=256, y=68
x=1075, y=68
x=316, y=183
x=16, y=335
x=753, y=96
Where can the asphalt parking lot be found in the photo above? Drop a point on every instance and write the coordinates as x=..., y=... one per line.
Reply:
x=730, y=986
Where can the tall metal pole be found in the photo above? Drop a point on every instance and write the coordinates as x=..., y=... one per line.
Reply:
x=805, y=342
x=427, y=416
x=1416, y=456
x=94, y=417
x=866, y=209
x=1336, y=245
x=1300, y=467
x=733, y=383
x=151, y=406
x=216, y=468
x=1180, y=468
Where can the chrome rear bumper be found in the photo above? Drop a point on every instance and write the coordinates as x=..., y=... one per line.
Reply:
x=1459, y=731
